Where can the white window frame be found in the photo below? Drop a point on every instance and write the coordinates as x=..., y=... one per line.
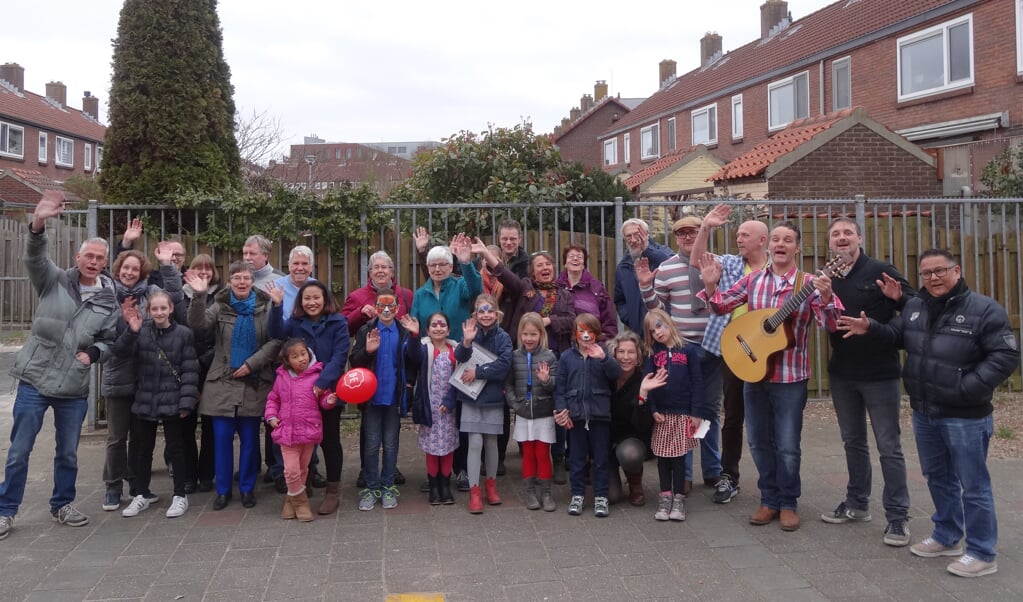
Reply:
x=44, y=146
x=672, y=135
x=653, y=133
x=6, y=129
x=611, y=151
x=781, y=83
x=836, y=78
x=627, y=144
x=711, y=113
x=87, y=157
x=1019, y=37
x=942, y=30
x=58, y=158
x=737, y=117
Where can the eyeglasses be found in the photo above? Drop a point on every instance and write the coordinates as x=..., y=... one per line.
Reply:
x=578, y=256
x=438, y=266
x=685, y=233
x=438, y=324
x=93, y=257
x=635, y=236
x=241, y=278
x=936, y=272
x=178, y=255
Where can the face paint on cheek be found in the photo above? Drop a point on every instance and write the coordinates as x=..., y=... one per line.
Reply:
x=585, y=335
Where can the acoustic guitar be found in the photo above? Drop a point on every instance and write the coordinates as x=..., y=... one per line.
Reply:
x=749, y=341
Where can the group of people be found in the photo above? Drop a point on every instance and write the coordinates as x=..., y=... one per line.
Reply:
x=494, y=335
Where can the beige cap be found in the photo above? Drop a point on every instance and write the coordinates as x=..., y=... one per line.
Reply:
x=689, y=221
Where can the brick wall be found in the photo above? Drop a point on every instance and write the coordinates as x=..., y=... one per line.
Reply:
x=49, y=168
x=581, y=143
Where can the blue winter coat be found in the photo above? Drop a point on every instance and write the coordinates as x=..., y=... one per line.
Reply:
x=327, y=337
x=496, y=341
x=584, y=385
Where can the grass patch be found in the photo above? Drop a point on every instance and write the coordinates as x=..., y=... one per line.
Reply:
x=1004, y=432
x=13, y=337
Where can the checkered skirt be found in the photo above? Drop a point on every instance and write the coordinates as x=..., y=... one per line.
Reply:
x=669, y=439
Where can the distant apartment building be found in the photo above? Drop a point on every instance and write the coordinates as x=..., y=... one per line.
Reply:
x=320, y=166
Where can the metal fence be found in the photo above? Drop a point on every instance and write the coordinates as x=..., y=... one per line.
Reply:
x=984, y=233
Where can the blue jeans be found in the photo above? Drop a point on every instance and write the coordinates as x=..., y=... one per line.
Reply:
x=774, y=427
x=381, y=424
x=68, y=416
x=224, y=428
x=953, y=458
x=710, y=445
x=854, y=401
x=592, y=442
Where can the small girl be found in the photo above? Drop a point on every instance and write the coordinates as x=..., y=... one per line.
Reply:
x=677, y=402
x=293, y=412
x=529, y=392
x=586, y=376
x=433, y=407
x=483, y=415
x=166, y=391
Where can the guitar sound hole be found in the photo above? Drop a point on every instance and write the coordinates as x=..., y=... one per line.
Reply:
x=768, y=328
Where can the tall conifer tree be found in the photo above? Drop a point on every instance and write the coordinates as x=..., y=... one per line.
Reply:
x=171, y=105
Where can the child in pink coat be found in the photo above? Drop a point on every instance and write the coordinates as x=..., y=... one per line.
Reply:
x=293, y=411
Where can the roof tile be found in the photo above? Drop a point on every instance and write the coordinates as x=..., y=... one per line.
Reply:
x=35, y=109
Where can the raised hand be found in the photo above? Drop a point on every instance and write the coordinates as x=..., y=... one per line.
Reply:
x=130, y=313
x=718, y=216
x=461, y=248
x=276, y=292
x=410, y=324
x=468, y=332
x=199, y=284
x=653, y=380
x=372, y=340
x=710, y=271
x=51, y=205
x=853, y=326
x=543, y=372
x=132, y=232
x=164, y=253
x=890, y=287
x=643, y=273
x=422, y=238
x=595, y=351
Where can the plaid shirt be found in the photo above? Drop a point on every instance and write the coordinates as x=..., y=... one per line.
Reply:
x=764, y=290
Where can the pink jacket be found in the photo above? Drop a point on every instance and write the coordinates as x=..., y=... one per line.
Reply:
x=292, y=402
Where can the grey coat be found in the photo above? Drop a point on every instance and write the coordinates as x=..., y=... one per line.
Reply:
x=541, y=402
x=223, y=393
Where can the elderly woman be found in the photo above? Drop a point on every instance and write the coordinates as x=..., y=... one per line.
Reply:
x=445, y=292
x=588, y=294
x=631, y=422
x=360, y=305
x=239, y=377
x=300, y=271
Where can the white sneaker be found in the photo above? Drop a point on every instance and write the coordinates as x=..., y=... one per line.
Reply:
x=179, y=505
x=138, y=504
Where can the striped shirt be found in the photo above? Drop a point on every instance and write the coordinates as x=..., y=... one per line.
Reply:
x=673, y=293
x=763, y=290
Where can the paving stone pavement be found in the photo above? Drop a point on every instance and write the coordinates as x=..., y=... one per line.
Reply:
x=506, y=554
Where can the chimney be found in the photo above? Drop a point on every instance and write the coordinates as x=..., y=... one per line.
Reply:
x=710, y=47
x=57, y=91
x=599, y=90
x=90, y=105
x=771, y=13
x=574, y=113
x=586, y=103
x=14, y=74
x=565, y=122
x=667, y=71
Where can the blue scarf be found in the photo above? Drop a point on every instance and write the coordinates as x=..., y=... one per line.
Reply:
x=243, y=337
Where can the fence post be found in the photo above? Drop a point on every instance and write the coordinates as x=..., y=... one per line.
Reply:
x=363, y=259
x=861, y=212
x=92, y=230
x=619, y=218
x=92, y=219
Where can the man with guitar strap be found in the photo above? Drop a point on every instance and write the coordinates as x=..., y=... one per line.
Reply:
x=775, y=401
x=865, y=381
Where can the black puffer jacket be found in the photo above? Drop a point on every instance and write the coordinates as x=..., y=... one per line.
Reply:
x=959, y=348
x=158, y=392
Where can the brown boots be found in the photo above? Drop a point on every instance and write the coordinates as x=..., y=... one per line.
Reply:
x=330, y=499
x=636, y=497
x=297, y=506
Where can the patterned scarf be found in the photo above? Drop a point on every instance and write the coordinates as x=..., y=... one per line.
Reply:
x=243, y=337
x=549, y=294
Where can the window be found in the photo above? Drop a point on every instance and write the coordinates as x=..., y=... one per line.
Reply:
x=788, y=100
x=627, y=143
x=99, y=157
x=650, y=142
x=841, y=84
x=65, y=152
x=671, y=134
x=611, y=151
x=705, y=125
x=936, y=59
x=737, y=117
x=87, y=162
x=12, y=140
x=43, y=139
x=337, y=154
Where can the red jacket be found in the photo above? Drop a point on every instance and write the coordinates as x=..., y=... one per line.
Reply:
x=367, y=295
x=293, y=403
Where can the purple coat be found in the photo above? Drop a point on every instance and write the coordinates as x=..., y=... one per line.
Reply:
x=590, y=297
x=293, y=403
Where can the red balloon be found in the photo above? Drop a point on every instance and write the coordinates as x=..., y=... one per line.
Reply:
x=357, y=386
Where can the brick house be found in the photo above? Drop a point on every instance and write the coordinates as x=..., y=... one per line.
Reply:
x=945, y=74
x=577, y=136
x=325, y=165
x=42, y=134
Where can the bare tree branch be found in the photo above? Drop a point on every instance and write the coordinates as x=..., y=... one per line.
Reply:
x=260, y=137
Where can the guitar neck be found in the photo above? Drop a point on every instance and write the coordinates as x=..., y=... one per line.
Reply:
x=790, y=306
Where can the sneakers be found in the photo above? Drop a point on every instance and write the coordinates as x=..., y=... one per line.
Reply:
x=6, y=524
x=138, y=504
x=390, y=497
x=600, y=507
x=896, y=533
x=368, y=499
x=725, y=490
x=178, y=507
x=575, y=506
x=462, y=481
x=112, y=500
x=969, y=566
x=930, y=548
x=844, y=514
x=663, y=507
x=678, y=508
x=69, y=515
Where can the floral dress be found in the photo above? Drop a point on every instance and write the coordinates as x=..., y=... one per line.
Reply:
x=442, y=438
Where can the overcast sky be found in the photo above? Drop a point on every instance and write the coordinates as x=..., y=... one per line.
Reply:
x=401, y=70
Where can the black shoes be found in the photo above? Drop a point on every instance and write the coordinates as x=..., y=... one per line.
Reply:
x=190, y=487
x=248, y=499
x=280, y=485
x=319, y=481
x=205, y=486
x=221, y=501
